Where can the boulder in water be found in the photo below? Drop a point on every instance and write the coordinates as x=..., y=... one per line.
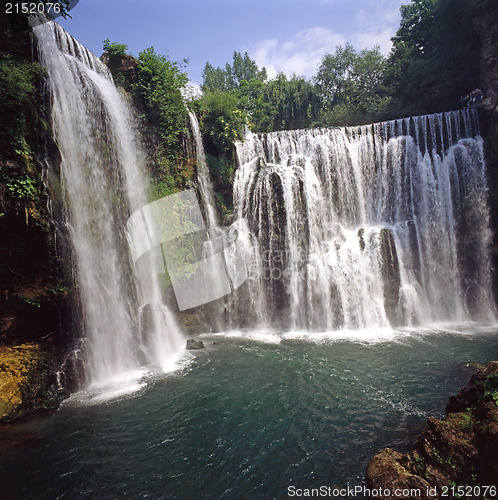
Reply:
x=193, y=344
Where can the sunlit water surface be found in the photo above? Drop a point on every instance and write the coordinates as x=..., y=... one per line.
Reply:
x=252, y=414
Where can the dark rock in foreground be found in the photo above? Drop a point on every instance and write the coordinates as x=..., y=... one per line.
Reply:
x=460, y=450
x=193, y=344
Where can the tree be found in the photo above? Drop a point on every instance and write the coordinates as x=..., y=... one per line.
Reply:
x=244, y=68
x=416, y=28
x=112, y=49
x=351, y=86
x=222, y=120
x=17, y=89
x=214, y=79
x=158, y=90
x=157, y=95
x=291, y=104
x=230, y=78
x=435, y=55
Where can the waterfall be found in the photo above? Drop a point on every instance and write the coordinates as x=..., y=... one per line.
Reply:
x=125, y=325
x=369, y=226
x=205, y=186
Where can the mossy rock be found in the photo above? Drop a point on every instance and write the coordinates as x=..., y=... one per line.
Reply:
x=25, y=381
x=460, y=449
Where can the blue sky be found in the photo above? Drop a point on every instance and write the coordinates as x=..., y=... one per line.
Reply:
x=283, y=35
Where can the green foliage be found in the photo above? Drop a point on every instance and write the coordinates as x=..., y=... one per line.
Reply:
x=447, y=462
x=230, y=78
x=112, y=49
x=222, y=169
x=223, y=120
x=269, y=105
x=214, y=79
x=435, y=56
x=253, y=102
x=351, y=86
x=420, y=465
x=164, y=186
x=489, y=387
x=17, y=89
x=21, y=147
x=59, y=289
x=434, y=61
x=31, y=302
x=158, y=90
x=23, y=188
x=417, y=26
x=290, y=104
x=466, y=421
x=157, y=95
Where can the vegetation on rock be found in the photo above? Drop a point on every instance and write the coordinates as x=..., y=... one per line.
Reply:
x=29, y=265
x=26, y=381
x=461, y=449
x=154, y=84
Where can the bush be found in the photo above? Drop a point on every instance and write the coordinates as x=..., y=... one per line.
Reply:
x=114, y=49
x=222, y=120
x=16, y=88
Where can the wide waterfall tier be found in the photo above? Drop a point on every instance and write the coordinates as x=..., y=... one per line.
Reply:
x=370, y=226
x=101, y=178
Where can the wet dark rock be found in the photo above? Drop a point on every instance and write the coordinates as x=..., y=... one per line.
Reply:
x=390, y=273
x=361, y=239
x=461, y=449
x=123, y=68
x=193, y=344
x=486, y=26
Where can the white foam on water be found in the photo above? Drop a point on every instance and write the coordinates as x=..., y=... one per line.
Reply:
x=366, y=335
x=262, y=336
x=130, y=383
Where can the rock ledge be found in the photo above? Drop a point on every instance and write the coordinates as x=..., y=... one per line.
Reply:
x=461, y=449
x=26, y=384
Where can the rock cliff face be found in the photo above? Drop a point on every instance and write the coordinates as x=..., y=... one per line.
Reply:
x=33, y=292
x=486, y=26
x=27, y=383
x=461, y=449
x=124, y=69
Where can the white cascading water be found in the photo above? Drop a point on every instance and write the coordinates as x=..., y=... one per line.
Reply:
x=125, y=323
x=364, y=227
x=204, y=181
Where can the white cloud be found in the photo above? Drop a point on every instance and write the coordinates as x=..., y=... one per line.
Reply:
x=301, y=55
x=374, y=24
x=366, y=40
